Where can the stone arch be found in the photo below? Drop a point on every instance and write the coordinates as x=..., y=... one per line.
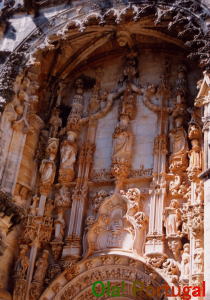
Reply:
x=77, y=26
x=77, y=282
x=188, y=18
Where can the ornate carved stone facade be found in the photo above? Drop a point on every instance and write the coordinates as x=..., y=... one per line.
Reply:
x=104, y=165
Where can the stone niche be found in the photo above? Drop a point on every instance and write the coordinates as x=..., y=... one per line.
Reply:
x=120, y=224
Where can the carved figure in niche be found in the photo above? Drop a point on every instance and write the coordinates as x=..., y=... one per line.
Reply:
x=198, y=258
x=130, y=69
x=122, y=142
x=21, y=194
x=41, y=267
x=195, y=156
x=77, y=103
x=68, y=158
x=90, y=220
x=185, y=263
x=194, y=131
x=63, y=198
x=49, y=208
x=175, y=246
x=55, y=122
x=199, y=193
x=128, y=104
x=175, y=184
x=48, y=168
x=181, y=82
x=134, y=212
x=59, y=225
x=173, y=219
x=179, y=145
x=97, y=200
x=22, y=263
x=33, y=207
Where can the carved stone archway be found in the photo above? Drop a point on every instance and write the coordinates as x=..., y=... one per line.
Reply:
x=87, y=33
x=77, y=282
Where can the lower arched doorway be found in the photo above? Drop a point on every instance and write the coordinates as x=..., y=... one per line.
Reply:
x=108, y=277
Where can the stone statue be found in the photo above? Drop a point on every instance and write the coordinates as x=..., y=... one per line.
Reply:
x=68, y=158
x=49, y=208
x=198, y=258
x=33, y=207
x=122, y=142
x=55, y=123
x=48, y=168
x=179, y=146
x=178, y=137
x=41, y=267
x=199, y=192
x=185, y=263
x=134, y=212
x=195, y=156
x=22, y=263
x=175, y=245
x=77, y=102
x=128, y=103
x=172, y=219
x=59, y=225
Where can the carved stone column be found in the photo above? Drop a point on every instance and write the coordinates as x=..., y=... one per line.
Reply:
x=203, y=100
x=155, y=243
x=72, y=249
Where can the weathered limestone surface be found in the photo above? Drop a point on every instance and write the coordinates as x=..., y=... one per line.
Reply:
x=104, y=129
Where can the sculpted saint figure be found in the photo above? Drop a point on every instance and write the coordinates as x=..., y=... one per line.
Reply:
x=185, y=263
x=59, y=225
x=134, y=212
x=33, y=207
x=123, y=141
x=178, y=137
x=172, y=218
x=77, y=102
x=55, y=122
x=47, y=168
x=179, y=146
x=22, y=263
x=195, y=156
x=41, y=267
x=68, y=158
